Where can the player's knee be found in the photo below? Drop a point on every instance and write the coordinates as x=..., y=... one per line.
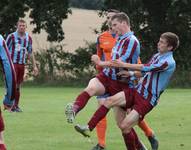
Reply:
x=125, y=126
x=108, y=102
x=126, y=131
x=91, y=90
x=122, y=126
x=119, y=125
x=100, y=102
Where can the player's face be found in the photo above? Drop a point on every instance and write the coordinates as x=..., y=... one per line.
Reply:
x=116, y=26
x=21, y=27
x=163, y=46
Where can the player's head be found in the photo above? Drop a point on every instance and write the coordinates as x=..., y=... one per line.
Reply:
x=110, y=13
x=21, y=26
x=168, y=42
x=120, y=23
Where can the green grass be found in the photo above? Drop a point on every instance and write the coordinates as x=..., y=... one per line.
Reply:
x=42, y=125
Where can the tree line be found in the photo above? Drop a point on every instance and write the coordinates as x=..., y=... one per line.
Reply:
x=149, y=18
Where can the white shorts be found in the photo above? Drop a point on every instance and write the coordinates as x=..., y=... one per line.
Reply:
x=103, y=96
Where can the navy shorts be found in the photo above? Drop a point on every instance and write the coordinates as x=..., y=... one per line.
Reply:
x=103, y=96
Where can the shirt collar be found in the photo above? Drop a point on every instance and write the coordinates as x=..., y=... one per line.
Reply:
x=166, y=54
x=126, y=35
x=19, y=35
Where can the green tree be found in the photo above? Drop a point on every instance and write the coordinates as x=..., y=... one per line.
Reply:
x=44, y=14
x=150, y=18
x=87, y=4
x=10, y=11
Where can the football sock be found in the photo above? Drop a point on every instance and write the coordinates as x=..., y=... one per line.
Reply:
x=81, y=101
x=2, y=147
x=145, y=127
x=17, y=97
x=98, y=115
x=129, y=139
x=101, y=131
x=2, y=125
x=137, y=141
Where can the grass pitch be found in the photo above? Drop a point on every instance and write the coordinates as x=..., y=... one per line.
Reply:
x=42, y=125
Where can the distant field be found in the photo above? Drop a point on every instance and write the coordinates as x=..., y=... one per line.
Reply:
x=42, y=125
x=78, y=28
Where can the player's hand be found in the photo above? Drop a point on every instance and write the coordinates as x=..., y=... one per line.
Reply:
x=95, y=59
x=124, y=73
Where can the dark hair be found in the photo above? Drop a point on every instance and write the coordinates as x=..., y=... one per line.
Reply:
x=113, y=10
x=121, y=17
x=172, y=39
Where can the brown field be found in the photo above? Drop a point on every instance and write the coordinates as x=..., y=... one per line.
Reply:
x=78, y=28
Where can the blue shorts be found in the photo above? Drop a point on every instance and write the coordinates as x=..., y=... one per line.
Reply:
x=103, y=96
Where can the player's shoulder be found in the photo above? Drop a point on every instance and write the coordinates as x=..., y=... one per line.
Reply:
x=170, y=58
x=1, y=37
x=12, y=34
x=105, y=33
x=28, y=35
x=134, y=38
x=1, y=40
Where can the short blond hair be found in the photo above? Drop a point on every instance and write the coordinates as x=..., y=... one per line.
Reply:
x=21, y=21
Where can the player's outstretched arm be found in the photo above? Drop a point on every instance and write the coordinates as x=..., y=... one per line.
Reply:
x=96, y=60
x=125, y=73
x=120, y=64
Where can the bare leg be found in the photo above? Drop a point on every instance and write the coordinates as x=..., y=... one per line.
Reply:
x=130, y=137
x=94, y=87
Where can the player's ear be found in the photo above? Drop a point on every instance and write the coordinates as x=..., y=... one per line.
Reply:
x=170, y=48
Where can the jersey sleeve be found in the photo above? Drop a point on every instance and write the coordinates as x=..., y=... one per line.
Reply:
x=158, y=67
x=9, y=41
x=99, y=52
x=9, y=75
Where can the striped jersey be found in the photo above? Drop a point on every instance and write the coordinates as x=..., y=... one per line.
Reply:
x=127, y=48
x=19, y=47
x=8, y=70
x=158, y=72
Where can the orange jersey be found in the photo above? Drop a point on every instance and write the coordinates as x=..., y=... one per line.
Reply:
x=139, y=61
x=105, y=43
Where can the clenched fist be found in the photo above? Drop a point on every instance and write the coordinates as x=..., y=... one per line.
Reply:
x=95, y=59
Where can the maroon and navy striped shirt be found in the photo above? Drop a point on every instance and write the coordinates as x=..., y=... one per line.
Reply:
x=19, y=47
